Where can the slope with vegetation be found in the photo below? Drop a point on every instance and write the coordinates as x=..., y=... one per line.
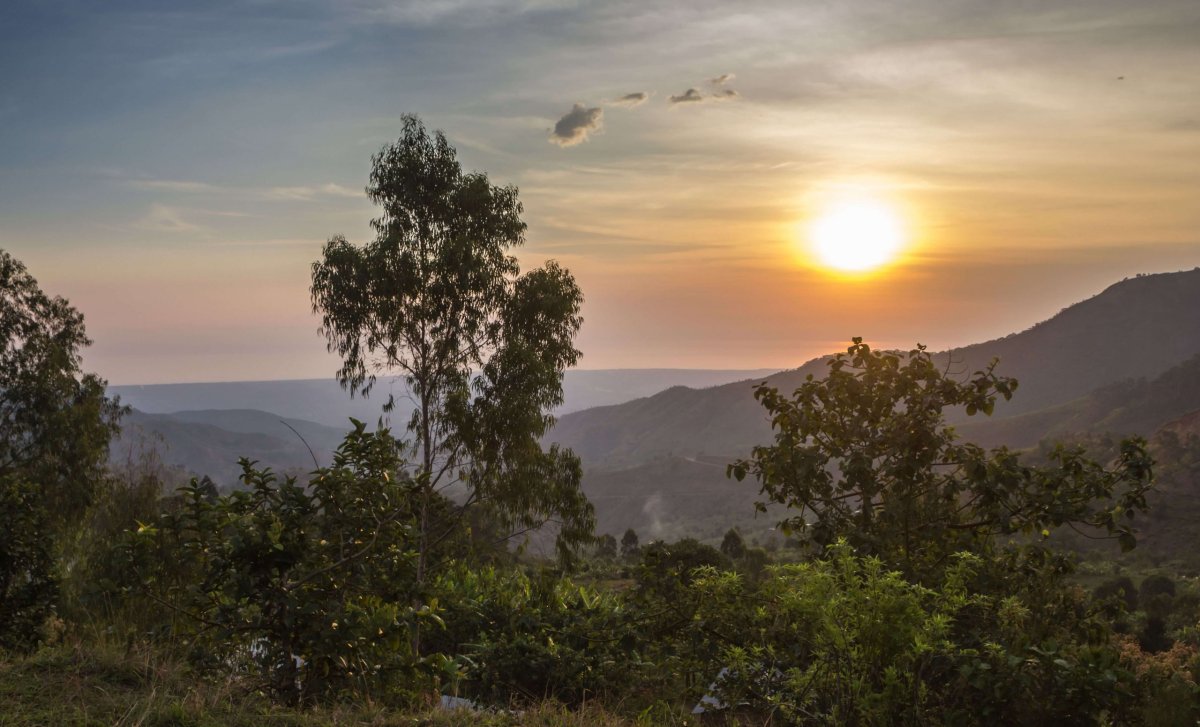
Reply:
x=1136, y=329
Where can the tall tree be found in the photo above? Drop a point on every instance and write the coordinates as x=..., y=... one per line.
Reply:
x=55, y=427
x=55, y=420
x=438, y=299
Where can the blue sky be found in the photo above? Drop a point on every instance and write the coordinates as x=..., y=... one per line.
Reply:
x=173, y=168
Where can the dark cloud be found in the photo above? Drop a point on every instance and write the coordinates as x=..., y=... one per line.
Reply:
x=693, y=95
x=689, y=96
x=722, y=79
x=575, y=127
x=631, y=99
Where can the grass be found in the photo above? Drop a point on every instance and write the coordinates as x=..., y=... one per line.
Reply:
x=84, y=685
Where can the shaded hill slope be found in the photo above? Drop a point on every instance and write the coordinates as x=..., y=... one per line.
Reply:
x=672, y=497
x=211, y=442
x=1128, y=407
x=325, y=402
x=1135, y=329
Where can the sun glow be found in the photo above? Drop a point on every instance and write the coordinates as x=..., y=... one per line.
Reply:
x=856, y=234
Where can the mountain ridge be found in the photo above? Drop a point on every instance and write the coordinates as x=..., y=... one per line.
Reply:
x=1123, y=333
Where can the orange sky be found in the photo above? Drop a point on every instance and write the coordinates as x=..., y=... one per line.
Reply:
x=1037, y=156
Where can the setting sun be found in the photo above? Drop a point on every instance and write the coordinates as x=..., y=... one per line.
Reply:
x=856, y=234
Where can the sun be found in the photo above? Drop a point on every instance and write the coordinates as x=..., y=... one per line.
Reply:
x=856, y=234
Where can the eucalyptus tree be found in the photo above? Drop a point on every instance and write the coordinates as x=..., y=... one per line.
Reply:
x=438, y=299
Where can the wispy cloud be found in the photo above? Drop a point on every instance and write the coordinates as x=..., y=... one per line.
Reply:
x=190, y=62
x=173, y=185
x=311, y=192
x=462, y=12
x=286, y=193
x=575, y=127
x=161, y=218
x=720, y=92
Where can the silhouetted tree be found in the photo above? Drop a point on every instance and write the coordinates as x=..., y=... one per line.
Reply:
x=865, y=454
x=438, y=299
x=1120, y=589
x=733, y=545
x=606, y=546
x=629, y=543
x=55, y=427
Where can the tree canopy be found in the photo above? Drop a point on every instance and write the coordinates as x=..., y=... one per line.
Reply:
x=55, y=427
x=438, y=299
x=55, y=420
x=865, y=454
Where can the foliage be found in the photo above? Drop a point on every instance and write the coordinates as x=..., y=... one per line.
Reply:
x=28, y=586
x=733, y=546
x=1156, y=584
x=438, y=298
x=844, y=640
x=98, y=585
x=55, y=421
x=530, y=637
x=1120, y=590
x=629, y=543
x=865, y=454
x=308, y=586
x=666, y=567
x=55, y=426
x=606, y=547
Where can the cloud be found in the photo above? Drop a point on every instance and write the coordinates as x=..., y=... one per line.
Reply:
x=173, y=185
x=162, y=218
x=458, y=12
x=694, y=95
x=631, y=99
x=577, y=125
x=689, y=96
x=312, y=192
x=299, y=192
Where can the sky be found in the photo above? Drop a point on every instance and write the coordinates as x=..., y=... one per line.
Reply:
x=173, y=169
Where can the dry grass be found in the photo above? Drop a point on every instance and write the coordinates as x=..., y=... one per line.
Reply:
x=85, y=685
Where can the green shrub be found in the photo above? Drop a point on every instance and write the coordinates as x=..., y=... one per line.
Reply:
x=526, y=638
x=28, y=586
x=310, y=588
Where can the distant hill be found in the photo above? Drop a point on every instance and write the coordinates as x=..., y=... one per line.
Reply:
x=203, y=429
x=1136, y=329
x=1126, y=407
x=325, y=402
x=211, y=442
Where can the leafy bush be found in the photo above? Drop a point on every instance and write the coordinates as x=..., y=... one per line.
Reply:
x=28, y=586
x=312, y=588
x=527, y=638
x=847, y=641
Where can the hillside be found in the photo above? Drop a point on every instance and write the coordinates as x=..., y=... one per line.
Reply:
x=672, y=497
x=1128, y=407
x=325, y=402
x=211, y=442
x=1136, y=329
